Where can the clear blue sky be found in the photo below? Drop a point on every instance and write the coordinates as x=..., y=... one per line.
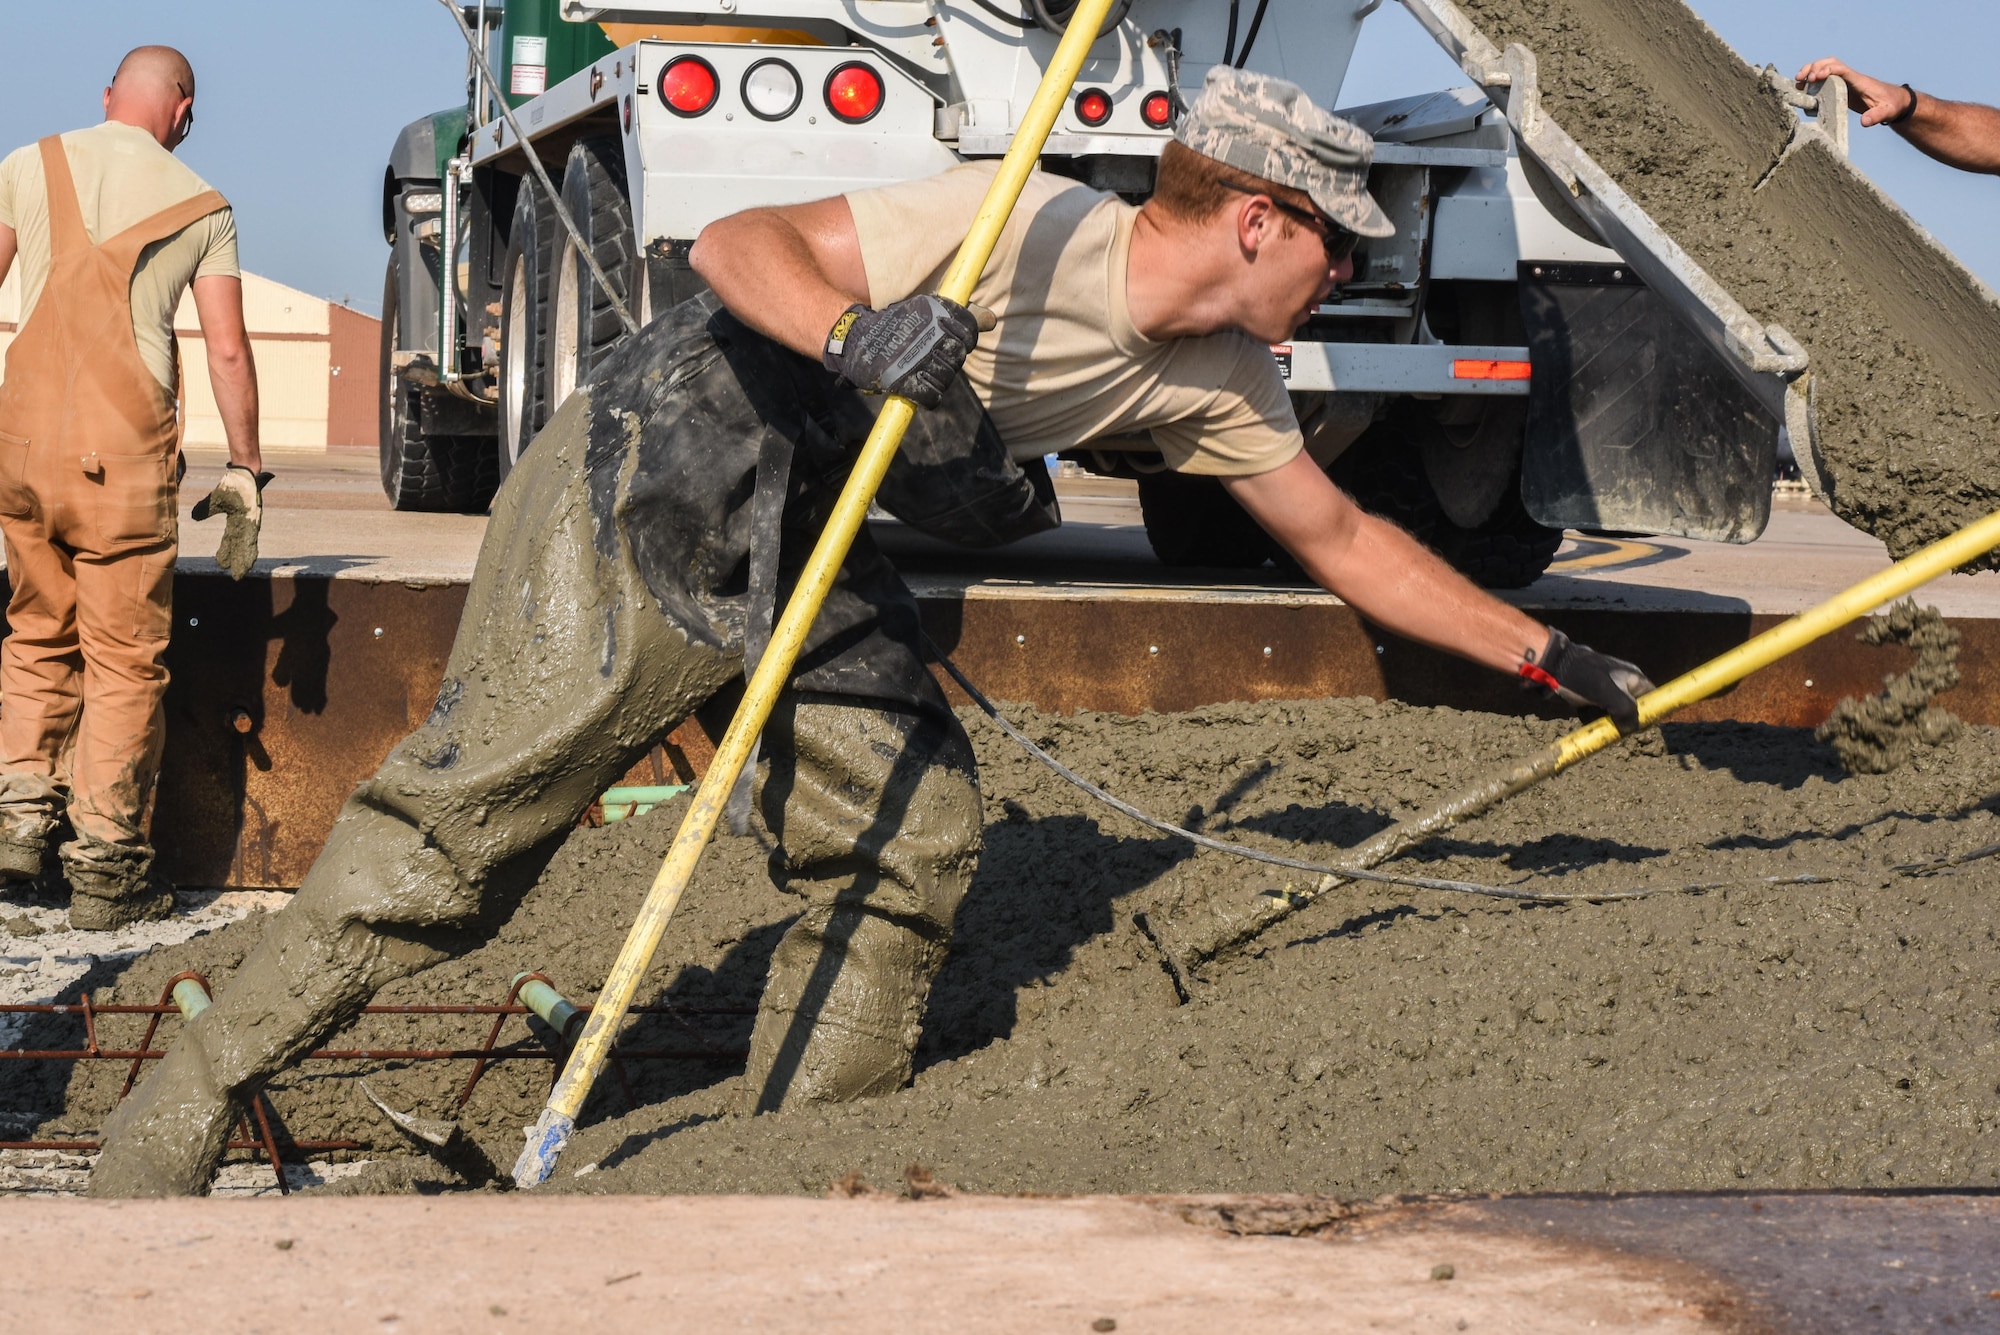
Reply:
x=300, y=101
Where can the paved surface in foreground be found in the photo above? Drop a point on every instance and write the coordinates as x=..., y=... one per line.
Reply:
x=326, y=515
x=1200, y=1265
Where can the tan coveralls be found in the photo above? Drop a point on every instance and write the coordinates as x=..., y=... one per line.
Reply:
x=89, y=471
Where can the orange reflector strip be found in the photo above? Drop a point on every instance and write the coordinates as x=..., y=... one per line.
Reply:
x=1467, y=369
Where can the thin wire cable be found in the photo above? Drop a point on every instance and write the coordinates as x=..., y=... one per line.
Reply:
x=1447, y=886
x=534, y=158
x=1250, y=38
x=1936, y=865
x=1003, y=15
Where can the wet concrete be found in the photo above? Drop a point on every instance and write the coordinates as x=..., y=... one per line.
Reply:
x=1754, y=1035
x=1880, y=733
x=1905, y=343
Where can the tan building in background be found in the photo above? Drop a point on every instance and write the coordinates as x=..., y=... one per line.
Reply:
x=317, y=367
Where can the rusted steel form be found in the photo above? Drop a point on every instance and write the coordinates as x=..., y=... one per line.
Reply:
x=289, y=691
x=1149, y=651
x=266, y=1140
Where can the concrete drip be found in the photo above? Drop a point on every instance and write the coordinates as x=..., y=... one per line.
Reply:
x=1881, y=733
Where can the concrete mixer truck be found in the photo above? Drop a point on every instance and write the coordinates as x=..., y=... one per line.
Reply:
x=1495, y=373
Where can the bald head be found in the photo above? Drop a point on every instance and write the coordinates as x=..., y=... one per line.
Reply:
x=154, y=90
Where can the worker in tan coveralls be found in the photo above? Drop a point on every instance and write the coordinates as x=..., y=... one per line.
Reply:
x=110, y=230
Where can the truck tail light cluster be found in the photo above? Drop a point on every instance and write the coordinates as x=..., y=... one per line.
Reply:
x=688, y=86
x=854, y=92
x=1093, y=106
x=772, y=89
x=1156, y=110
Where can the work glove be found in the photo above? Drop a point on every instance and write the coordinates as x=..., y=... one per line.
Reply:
x=1582, y=676
x=239, y=499
x=912, y=348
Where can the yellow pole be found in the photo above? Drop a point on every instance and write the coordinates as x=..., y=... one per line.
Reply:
x=552, y=1130
x=1912, y=572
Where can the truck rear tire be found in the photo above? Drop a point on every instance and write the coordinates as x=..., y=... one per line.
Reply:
x=452, y=474
x=583, y=323
x=1194, y=521
x=1384, y=472
x=524, y=323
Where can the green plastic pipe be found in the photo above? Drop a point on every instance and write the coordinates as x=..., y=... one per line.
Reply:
x=191, y=997
x=554, y=1008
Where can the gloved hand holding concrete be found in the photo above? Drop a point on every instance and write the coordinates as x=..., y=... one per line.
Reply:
x=239, y=498
x=912, y=348
x=1582, y=676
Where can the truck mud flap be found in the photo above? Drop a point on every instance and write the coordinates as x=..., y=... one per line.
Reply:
x=1633, y=424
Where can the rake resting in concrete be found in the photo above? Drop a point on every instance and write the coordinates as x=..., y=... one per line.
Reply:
x=1914, y=571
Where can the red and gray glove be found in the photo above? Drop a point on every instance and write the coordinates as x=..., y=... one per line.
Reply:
x=912, y=348
x=1582, y=676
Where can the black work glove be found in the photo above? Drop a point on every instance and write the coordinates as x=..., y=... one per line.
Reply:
x=912, y=348
x=1582, y=676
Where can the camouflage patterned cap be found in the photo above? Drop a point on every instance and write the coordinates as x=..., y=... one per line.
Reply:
x=1269, y=128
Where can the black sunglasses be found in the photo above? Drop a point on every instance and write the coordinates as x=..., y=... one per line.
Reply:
x=1339, y=242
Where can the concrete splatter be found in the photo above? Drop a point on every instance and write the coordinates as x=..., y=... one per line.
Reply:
x=1880, y=733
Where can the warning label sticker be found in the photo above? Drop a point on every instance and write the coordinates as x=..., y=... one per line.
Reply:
x=1283, y=352
x=529, y=80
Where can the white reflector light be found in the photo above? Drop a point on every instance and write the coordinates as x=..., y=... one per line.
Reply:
x=772, y=89
x=431, y=202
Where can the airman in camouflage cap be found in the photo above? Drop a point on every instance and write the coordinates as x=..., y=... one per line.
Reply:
x=1269, y=128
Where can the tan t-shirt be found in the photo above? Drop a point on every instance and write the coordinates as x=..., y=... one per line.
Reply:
x=1064, y=365
x=123, y=177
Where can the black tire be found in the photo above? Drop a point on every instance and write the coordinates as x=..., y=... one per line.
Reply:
x=451, y=474
x=583, y=323
x=1193, y=521
x=1384, y=473
x=1509, y=551
x=524, y=323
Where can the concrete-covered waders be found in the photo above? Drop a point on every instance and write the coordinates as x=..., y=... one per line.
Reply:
x=89, y=470
x=610, y=601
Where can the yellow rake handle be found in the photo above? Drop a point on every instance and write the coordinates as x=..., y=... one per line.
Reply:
x=551, y=1132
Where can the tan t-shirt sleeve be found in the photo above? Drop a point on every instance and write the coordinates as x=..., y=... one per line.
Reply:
x=909, y=232
x=218, y=253
x=1244, y=426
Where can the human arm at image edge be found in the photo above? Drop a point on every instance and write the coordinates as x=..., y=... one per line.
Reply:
x=1965, y=135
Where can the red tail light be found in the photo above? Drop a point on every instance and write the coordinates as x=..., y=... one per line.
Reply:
x=1093, y=106
x=854, y=92
x=1157, y=110
x=687, y=85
